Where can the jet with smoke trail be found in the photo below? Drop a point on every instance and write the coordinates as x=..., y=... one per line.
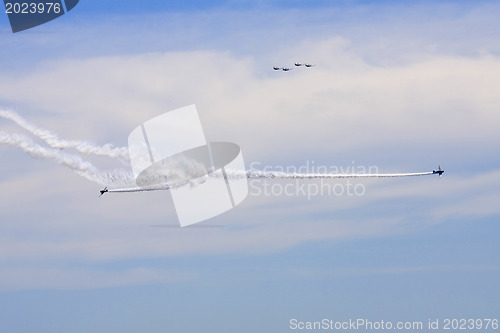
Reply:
x=120, y=177
x=256, y=174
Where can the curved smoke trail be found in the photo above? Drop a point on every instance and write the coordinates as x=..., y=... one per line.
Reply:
x=74, y=162
x=54, y=141
x=120, y=177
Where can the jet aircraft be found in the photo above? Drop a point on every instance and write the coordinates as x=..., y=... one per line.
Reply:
x=103, y=191
x=439, y=172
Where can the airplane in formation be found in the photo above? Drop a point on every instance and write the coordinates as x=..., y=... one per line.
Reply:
x=297, y=64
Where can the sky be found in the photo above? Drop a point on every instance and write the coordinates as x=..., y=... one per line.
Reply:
x=399, y=87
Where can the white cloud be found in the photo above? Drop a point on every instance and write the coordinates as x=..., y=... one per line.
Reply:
x=427, y=105
x=342, y=103
x=444, y=99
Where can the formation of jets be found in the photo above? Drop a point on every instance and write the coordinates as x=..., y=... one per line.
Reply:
x=297, y=64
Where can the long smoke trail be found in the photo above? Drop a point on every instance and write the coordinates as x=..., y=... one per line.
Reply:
x=122, y=177
x=54, y=141
x=74, y=162
x=256, y=174
x=284, y=175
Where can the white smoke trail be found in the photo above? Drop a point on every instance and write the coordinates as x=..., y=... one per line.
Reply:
x=157, y=180
x=284, y=175
x=257, y=174
x=140, y=189
x=74, y=162
x=54, y=141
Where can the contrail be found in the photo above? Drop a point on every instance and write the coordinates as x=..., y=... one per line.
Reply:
x=74, y=162
x=120, y=177
x=54, y=141
x=284, y=175
x=256, y=174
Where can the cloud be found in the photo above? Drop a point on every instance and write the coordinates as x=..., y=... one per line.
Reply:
x=343, y=100
x=336, y=107
x=412, y=110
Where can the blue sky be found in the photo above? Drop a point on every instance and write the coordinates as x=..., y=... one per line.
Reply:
x=399, y=87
